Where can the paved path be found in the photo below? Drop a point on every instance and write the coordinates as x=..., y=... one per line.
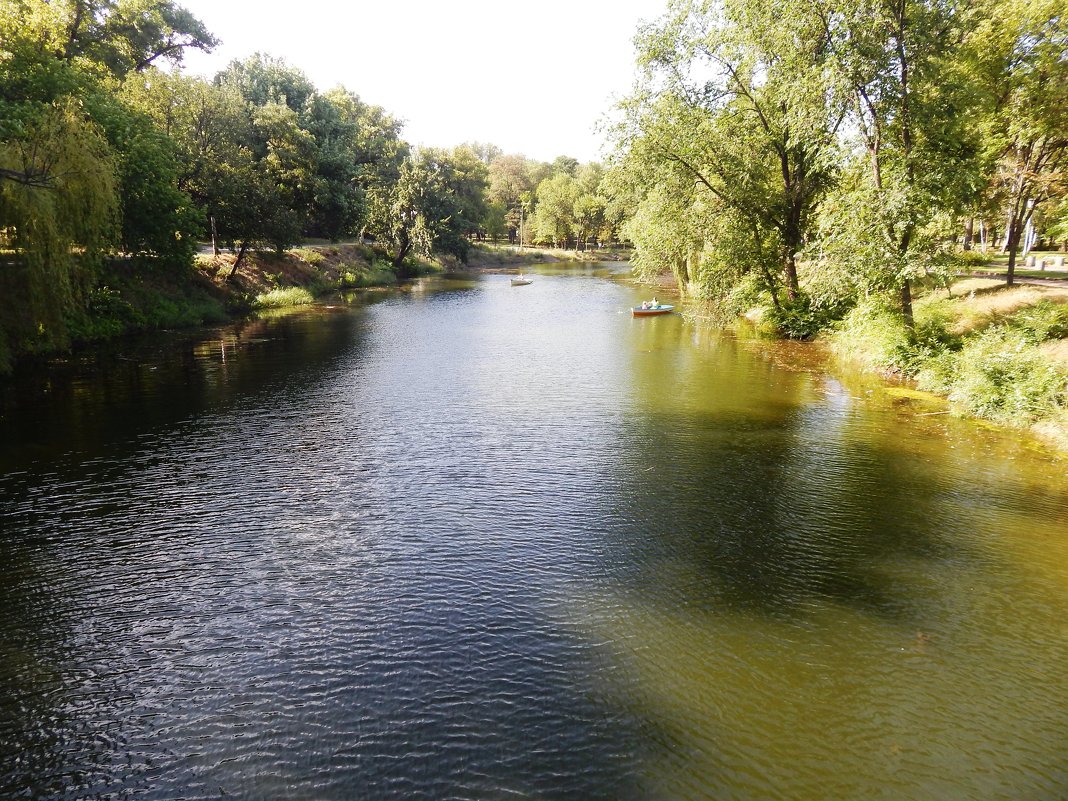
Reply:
x=1018, y=279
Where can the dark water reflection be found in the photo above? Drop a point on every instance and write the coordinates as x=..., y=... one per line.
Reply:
x=481, y=542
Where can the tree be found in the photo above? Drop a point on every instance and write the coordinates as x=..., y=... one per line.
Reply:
x=1019, y=48
x=554, y=216
x=58, y=215
x=129, y=35
x=899, y=65
x=735, y=102
x=263, y=80
x=510, y=179
x=158, y=218
x=486, y=152
x=425, y=210
x=589, y=209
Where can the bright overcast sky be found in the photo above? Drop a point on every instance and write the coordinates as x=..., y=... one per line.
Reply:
x=531, y=77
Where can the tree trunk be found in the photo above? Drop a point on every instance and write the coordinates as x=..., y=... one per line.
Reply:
x=1008, y=229
x=398, y=261
x=793, y=288
x=682, y=273
x=1012, y=239
x=906, y=305
x=969, y=233
x=237, y=262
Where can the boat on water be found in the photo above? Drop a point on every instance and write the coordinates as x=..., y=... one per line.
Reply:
x=520, y=280
x=649, y=310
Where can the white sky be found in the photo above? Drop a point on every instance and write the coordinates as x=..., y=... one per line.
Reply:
x=531, y=77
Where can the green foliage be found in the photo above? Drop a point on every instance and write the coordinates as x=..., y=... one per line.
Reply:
x=263, y=80
x=59, y=217
x=312, y=257
x=875, y=334
x=158, y=218
x=431, y=206
x=105, y=315
x=108, y=313
x=379, y=273
x=122, y=36
x=732, y=119
x=184, y=313
x=1043, y=321
x=743, y=296
x=554, y=218
x=966, y=260
x=281, y=298
x=802, y=317
x=999, y=375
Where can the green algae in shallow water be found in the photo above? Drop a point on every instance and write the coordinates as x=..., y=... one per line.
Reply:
x=915, y=394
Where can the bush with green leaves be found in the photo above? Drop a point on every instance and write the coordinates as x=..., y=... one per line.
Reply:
x=1045, y=320
x=168, y=312
x=968, y=260
x=874, y=334
x=105, y=315
x=804, y=316
x=1000, y=375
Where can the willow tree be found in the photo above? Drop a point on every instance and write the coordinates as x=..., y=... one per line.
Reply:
x=127, y=35
x=424, y=211
x=735, y=101
x=58, y=215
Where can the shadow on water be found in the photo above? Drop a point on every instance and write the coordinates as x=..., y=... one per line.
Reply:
x=798, y=587
x=768, y=517
x=756, y=501
x=105, y=395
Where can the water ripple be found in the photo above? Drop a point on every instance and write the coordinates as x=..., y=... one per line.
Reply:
x=480, y=544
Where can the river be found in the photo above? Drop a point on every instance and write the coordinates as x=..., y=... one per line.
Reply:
x=475, y=541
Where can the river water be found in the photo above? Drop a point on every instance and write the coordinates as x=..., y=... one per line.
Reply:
x=471, y=541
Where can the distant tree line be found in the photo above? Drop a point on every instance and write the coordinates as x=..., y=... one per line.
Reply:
x=103, y=154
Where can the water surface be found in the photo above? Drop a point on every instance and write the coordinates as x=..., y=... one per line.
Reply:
x=473, y=541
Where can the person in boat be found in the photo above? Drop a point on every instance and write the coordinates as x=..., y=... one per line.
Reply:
x=654, y=303
x=645, y=304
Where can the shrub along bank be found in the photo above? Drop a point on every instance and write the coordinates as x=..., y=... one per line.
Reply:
x=997, y=353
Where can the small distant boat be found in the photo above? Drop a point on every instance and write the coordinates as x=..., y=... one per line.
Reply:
x=647, y=311
x=520, y=280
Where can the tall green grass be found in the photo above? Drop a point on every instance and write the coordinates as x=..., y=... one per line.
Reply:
x=999, y=374
x=281, y=298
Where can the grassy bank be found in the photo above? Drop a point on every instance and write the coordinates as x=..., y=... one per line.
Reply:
x=296, y=277
x=997, y=353
x=1047, y=264
x=133, y=296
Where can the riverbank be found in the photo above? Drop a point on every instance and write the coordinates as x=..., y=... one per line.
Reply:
x=490, y=255
x=995, y=353
x=131, y=297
